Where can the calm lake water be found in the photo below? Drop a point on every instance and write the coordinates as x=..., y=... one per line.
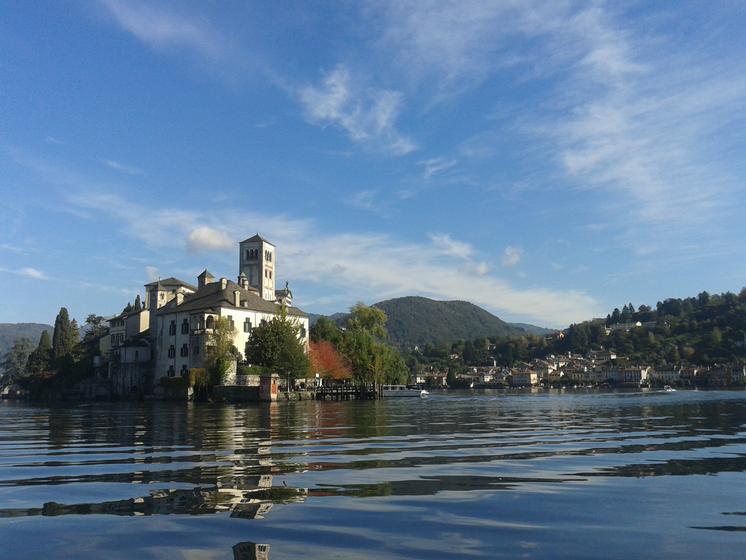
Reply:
x=489, y=475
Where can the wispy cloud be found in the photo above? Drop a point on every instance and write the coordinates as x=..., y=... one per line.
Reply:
x=121, y=167
x=630, y=115
x=435, y=166
x=27, y=272
x=446, y=245
x=162, y=28
x=512, y=257
x=365, y=200
x=367, y=266
x=368, y=115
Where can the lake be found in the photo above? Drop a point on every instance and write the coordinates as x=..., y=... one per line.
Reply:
x=465, y=475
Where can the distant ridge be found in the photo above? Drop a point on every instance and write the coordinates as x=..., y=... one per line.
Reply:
x=9, y=332
x=415, y=320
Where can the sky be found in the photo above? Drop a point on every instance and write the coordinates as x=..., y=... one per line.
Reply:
x=548, y=161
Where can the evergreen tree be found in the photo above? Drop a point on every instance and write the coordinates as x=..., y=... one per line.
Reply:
x=38, y=361
x=14, y=362
x=62, y=339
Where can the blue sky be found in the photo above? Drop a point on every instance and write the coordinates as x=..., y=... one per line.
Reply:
x=547, y=161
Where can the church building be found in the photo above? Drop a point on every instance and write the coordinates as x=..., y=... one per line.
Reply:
x=181, y=316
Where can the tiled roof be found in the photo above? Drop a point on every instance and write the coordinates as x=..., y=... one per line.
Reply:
x=212, y=296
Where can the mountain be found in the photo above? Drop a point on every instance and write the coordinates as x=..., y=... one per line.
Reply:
x=416, y=320
x=533, y=329
x=9, y=332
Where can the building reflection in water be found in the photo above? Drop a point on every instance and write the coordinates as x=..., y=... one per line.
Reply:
x=232, y=449
x=250, y=551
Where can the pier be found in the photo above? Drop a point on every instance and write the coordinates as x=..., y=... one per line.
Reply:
x=367, y=392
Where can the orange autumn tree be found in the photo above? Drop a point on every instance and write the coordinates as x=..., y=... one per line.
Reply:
x=327, y=362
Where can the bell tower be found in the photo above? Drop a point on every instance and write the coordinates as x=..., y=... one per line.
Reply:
x=256, y=259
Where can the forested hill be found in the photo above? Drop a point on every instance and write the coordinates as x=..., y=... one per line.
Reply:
x=9, y=332
x=420, y=321
x=706, y=329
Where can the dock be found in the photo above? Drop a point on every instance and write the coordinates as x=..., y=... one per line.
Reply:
x=366, y=392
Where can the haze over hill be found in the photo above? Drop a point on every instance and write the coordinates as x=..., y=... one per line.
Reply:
x=9, y=332
x=414, y=320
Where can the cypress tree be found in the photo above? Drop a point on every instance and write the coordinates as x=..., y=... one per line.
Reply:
x=39, y=359
x=62, y=342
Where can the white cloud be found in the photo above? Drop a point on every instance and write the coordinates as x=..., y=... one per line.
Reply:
x=164, y=29
x=365, y=266
x=27, y=272
x=367, y=115
x=446, y=245
x=632, y=115
x=152, y=273
x=365, y=200
x=435, y=166
x=117, y=166
x=512, y=257
x=205, y=238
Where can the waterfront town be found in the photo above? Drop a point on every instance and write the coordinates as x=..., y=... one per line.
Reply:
x=602, y=368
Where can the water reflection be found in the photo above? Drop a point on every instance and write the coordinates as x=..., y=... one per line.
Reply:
x=237, y=463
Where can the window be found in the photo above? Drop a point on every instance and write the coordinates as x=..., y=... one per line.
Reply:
x=172, y=328
x=184, y=370
x=247, y=325
x=185, y=326
x=171, y=351
x=184, y=350
x=303, y=332
x=171, y=371
x=270, y=275
x=230, y=322
x=210, y=322
x=195, y=350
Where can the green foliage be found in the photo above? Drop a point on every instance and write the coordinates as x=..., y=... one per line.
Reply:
x=326, y=329
x=371, y=360
x=277, y=346
x=15, y=360
x=220, y=351
x=39, y=359
x=64, y=337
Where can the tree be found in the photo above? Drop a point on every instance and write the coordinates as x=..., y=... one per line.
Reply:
x=370, y=319
x=326, y=329
x=15, y=360
x=371, y=360
x=277, y=345
x=38, y=361
x=220, y=351
x=63, y=338
x=94, y=327
x=327, y=361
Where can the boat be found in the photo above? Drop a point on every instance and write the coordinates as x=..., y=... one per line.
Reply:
x=669, y=389
x=403, y=391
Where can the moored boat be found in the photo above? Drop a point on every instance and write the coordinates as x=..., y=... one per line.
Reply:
x=403, y=391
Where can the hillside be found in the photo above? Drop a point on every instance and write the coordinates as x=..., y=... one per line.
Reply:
x=414, y=320
x=9, y=332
